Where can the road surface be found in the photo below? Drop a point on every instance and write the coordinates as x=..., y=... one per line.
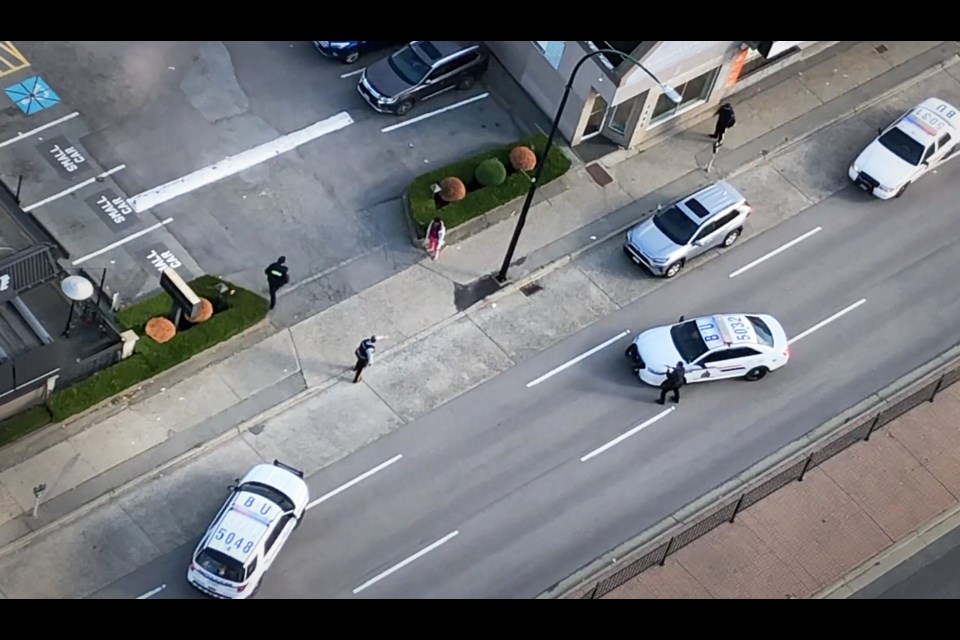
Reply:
x=496, y=495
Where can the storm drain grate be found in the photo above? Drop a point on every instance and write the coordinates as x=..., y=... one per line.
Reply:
x=881, y=48
x=531, y=289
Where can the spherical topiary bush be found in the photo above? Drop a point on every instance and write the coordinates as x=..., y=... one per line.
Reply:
x=160, y=330
x=452, y=189
x=490, y=172
x=523, y=158
x=204, y=313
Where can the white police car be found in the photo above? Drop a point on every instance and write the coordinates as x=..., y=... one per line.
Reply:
x=921, y=139
x=262, y=511
x=726, y=345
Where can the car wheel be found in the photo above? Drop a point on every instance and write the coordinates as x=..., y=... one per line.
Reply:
x=903, y=190
x=465, y=83
x=732, y=237
x=404, y=107
x=756, y=373
x=673, y=269
x=352, y=57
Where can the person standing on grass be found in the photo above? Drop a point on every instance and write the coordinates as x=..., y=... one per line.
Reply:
x=435, y=235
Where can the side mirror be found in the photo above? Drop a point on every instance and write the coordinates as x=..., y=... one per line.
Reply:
x=879, y=131
x=698, y=243
x=681, y=318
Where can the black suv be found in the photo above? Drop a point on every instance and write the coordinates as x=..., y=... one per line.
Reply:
x=421, y=70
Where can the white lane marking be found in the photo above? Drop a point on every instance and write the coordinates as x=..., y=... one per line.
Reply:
x=402, y=564
x=352, y=73
x=76, y=187
x=39, y=129
x=582, y=356
x=235, y=164
x=455, y=105
x=152, y=592
x=824, y=323
x=776, y=251
x=123, y=241
x=635, y=430
x=360, y=478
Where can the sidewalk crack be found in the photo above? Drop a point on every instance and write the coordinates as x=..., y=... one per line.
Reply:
x=513, y=362
x=597, y=285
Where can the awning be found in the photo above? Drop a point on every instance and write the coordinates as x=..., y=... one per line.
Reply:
x=772, y=48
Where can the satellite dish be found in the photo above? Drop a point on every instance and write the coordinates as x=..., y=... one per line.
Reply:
x=77, y=288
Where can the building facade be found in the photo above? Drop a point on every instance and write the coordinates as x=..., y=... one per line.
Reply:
x=615, y=101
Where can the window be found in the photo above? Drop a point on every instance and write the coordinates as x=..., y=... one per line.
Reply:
x=620, y=116
x=706, y=230
x=903, y=146
x=763, y=331
x=741, y=352
x=718, y=356
x=727, y=219
x=930, y=150
x=220, y=565
x=552, y=50
x=696, y=208
x=430, y=49
x=275, y=534
x=942, y=142
x=252, y=567
x=598, y=112
x=688, y=341
x=691, y=92
x=447, y=68
x=408, y=65
x=676, y=225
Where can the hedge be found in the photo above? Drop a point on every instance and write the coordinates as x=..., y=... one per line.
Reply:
x=232, y=315
x=23, y=423
x=423, y=206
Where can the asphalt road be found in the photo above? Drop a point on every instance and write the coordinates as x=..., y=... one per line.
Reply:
x=501, y=465
x=159, y=111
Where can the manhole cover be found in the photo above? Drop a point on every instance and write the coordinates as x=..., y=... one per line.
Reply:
x=531, y=289
x=881, y=48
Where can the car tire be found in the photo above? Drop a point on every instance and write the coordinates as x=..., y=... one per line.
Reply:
x=466, y=82
x=756, y=374
x=902, y=191
x=352, y=57
x=731, y=237
x=674, y=269
x=404, y=107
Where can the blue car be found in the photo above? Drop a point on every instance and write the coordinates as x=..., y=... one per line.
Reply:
x=349, y=51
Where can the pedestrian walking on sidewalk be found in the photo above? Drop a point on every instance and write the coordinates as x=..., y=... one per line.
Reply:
x=364, y=355
x=676, y=378
x=726, y=118
x=277, y=276
x=435, y=234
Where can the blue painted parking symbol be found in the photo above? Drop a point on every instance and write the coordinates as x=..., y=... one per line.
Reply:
x=32, y=95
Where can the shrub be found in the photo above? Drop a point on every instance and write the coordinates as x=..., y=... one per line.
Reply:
x=452, y=189
x=491, y=172
x=161, y=330
x=98, y=387
x=423, y=205
x=204, y=313
x=523, y=159
x=23, y=423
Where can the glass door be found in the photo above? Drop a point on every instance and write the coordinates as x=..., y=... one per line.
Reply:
x=598, y=112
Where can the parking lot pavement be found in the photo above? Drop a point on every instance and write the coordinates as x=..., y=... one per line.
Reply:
x=174, y=111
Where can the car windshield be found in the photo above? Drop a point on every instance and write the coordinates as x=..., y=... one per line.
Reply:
x=763, y=331
x=688, y=341
x=903, y=146
x=408, y=65
x=676, y=225
x=220, y=565
x=271, y=494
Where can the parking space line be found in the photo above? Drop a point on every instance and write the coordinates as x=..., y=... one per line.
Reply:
x=352, y=73
x=582, y=356
x=75, y=187
x=824, y=323
x=11, y=60
x=776, y=251
x=634, y=431
x=400, y=565
x=357, y=480
x=152, y=592
x=235, y=164
x=33, y=132
x=121, y=242
x=430, y=114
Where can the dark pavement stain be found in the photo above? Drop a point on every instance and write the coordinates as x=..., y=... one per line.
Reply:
x=467, y=295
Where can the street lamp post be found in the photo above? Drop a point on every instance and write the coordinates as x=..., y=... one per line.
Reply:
x=669, y=91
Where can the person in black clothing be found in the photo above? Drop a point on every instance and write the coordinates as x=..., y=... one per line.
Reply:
x=726, y=118
x=364, y=355
x=277, y=276
x=675, y=379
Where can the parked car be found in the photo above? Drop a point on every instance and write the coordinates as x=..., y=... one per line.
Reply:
x=920, y=140
x=419, y=71
x=711, y=217
x=349, y=51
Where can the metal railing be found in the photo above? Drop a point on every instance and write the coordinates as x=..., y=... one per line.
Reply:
x=656, y=552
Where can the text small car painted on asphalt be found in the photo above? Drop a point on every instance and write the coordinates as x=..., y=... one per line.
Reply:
x=349, y=51
x=712, y=217
x=419, y=71
x=261, y=512
x=725, y=345
x=920, y=140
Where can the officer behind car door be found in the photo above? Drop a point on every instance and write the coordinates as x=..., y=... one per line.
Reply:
x=277, y=276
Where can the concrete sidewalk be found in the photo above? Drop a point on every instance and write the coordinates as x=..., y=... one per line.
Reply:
x=288, y=393
x=851, y=519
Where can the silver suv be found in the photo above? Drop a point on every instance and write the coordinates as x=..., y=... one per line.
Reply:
x=711, y=217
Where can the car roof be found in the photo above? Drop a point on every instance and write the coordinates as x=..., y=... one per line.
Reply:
x=720, y=325
x=445, y=48
x=247, y=519
x=929, y=120
x=711, y=200
x=280, y=478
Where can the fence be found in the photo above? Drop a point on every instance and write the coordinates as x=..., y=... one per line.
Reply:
x=857, y=430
